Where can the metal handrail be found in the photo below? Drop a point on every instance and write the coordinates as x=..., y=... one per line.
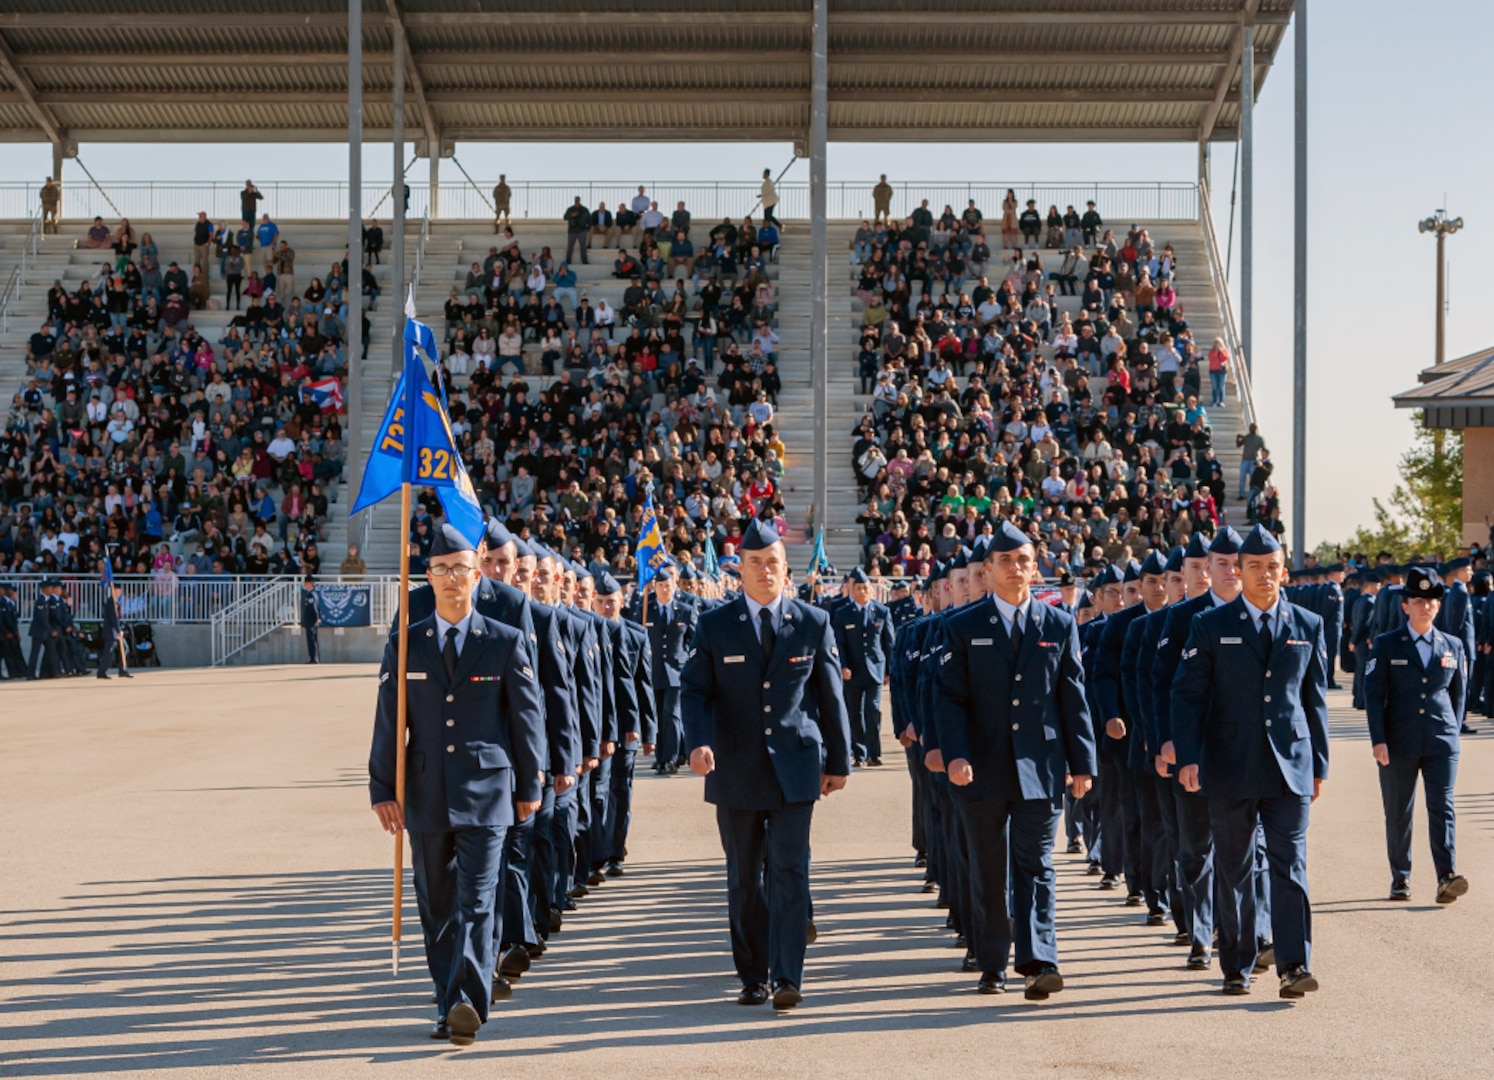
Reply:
x=316, y=200
x=17, y=280
x=253, y=617
x=1238, y=369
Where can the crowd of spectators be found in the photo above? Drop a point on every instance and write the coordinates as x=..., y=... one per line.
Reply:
x=1081, y=420
x=137, y=433
x=568, y=413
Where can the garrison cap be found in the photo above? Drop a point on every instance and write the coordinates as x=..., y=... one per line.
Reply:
x=759, y=534
x=1007, y=537
x=1153, y=564
x=1174, y=564
x=858, y=576
x=1260, y=541
x=1108, y=575
x=1132, y=571
x=497, y=534
x=607, y=584
x=449, y=540
x=1226, y=542
x=1197, y=547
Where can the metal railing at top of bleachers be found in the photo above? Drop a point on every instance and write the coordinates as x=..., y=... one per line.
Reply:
x=1119, y=203
x=17, y=280
x=1219, y=273
x=255, y=615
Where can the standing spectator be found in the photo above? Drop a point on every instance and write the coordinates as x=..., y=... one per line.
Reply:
x=770, y=199
x=353, y=567
x=1090, y=223
x=502, y=195
x=285, y=270
x=882, y=200
x=1250, y=445
x=267, y=233
x=202, y=236
x=51, y=203
x=233, y=275
x=248, y=207
x=373, y=241
x=1218, y=369
x=577, y=222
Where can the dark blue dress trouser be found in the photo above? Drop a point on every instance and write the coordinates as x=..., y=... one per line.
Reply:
x=1027, y=862
x=1398, y=793
x=1236, y=824
x=456, y=886
x=769, y=925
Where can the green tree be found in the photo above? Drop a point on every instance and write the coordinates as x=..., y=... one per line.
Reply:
x=1425, y=511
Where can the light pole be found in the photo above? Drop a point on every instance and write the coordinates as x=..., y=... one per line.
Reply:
x=1442, y=225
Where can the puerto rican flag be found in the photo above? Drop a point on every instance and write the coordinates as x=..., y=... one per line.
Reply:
x=327, y=393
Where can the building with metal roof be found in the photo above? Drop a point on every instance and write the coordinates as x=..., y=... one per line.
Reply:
x=925, y=70
x=1459, y=396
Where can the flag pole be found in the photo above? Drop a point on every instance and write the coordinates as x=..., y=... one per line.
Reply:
x=400, y=713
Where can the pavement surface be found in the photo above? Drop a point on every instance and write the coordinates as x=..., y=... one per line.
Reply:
x=192, y=883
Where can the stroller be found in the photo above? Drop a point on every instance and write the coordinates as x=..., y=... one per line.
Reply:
x=140, y=646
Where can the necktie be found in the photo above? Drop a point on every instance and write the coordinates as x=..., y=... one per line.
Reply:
x=1017, y=632
x=769, y=636
x=1266, y=632
x=449, y=653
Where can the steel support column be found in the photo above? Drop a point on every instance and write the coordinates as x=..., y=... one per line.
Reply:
x=819, y=326
x=1247, y=191
x=352, y=288
x=397, y=193
x=434, y=199
x=1299, y=299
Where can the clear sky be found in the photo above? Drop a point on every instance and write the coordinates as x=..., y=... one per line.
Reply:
x=1396, y=132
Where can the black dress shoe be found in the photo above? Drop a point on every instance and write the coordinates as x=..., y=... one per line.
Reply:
x=1451, y=887
x=992, y=982
x=556, y=920
x=753, y=994
x=1236, y=984
x=1042, y=983
x=1108, y=881
x=614, y=869
x=858, y=762
x=1467, y=729
x=463, y=1021
x=811, y=935
x=103, y=676
x=1400, y=889
x=967, y=964
x=578, y=891
x=595, y=878
x=1134, y=899
x=1297, y=981
x=1075, y=847
x=1198, y=958
x=921, y=861
x=1265, y=957
x=441, y=1031
x=568, y=905
x=536, y=951
x=1156, y=918
x=1093, y=870
x=874, y=762
x=514, y=962
x=125, y=675
x=785, y=996
x=503, y=990
x=929, y=886
x=1181, y=938
x=960, y=942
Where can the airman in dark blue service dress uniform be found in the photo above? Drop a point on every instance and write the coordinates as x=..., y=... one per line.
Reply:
x=765, y=724
x=1250, y=730
x=475, y=754
x=863, y=634
x=1415, y=685
x=1012, y=721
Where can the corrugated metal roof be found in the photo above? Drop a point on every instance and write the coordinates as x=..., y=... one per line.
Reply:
x=948, y=69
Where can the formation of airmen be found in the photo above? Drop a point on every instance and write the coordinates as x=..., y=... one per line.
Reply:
x=57, y=646
x=1171, y=712
x=524, y=733
x=1200, y=705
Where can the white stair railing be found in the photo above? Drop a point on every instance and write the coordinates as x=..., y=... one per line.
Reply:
x=253, y=617
x=1218, y=273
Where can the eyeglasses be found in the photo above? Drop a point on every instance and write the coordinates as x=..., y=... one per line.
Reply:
x=460, y=571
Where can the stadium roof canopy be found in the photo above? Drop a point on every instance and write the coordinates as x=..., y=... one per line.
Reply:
x=899, y=70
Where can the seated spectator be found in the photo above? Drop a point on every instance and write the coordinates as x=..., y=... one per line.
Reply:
x=98, y=235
